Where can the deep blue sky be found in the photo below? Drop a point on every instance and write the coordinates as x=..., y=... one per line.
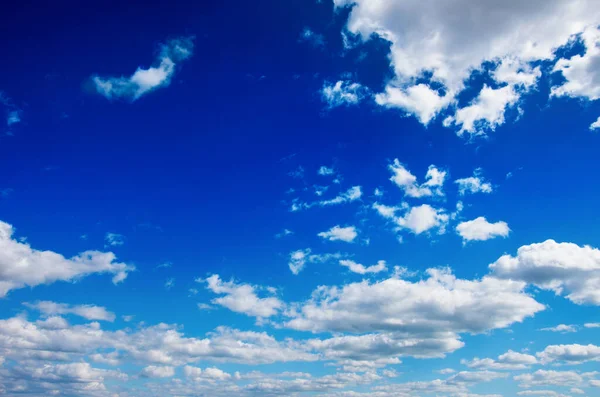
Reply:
x=196, y=173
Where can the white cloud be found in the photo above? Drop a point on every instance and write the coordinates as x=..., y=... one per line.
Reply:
x=592, y=325
x=209, y=374
x=342, y=93
x=299, y=259
x=510, y=360
x=337, y=233
x=432, y=55
x=549, y=378
x=564, y=268
x=479, y=229
x=242, y=298
x=562, y=328
x=160, y=344
x=143, y=80
x=473, y=184
x=440, y=303
x=402, y=177
x=361, y=269
x=21, y=265
x=423, y=218
x=352, y=194
x=13, y=112
x=595, y=125
x=570, y=354
x=581, y=72
x=89, y=312
x=154, y=371
x=114, y=239
x=324, y=171
x=284, y=233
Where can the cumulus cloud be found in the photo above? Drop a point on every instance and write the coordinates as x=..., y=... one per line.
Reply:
x=564, y=268
x=208, y=374
x=242, y=298
x=433, y=55
x=549, y=378
x=570, y=354
x=581, y=72
x=144, y=81
x=439, y=303
x=404, y=179
x=160, y=344
x=89, y=312
x=473, y=184
x=21, y=265
x=361, y=269
x=342, y=93
x=337, y=233
x=479, y=229
x=423, y=218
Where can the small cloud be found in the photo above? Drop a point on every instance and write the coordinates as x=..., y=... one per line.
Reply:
x=205, y=306
x=347, y=234
x=285, y=232
x=307, y=35
x=324, y=171
x=127, y=319
x=595, y=125
x=342, y=93
x=170, y=283
x=165, y=265
x=144, y=81
x=114, y=239
x=83, y=237
x=562, y=328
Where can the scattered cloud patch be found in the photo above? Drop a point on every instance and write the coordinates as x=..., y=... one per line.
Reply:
x=21, y=265
x=404, y=179
x=361, y=269
x=562, y=328
x=342, y=93
x=144, y=81
x=337, y=233
x=473, y=184
x=299, y=259
x=89, y=312
x=114, y=239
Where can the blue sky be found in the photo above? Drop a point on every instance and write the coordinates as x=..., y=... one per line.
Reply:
x=300, y=198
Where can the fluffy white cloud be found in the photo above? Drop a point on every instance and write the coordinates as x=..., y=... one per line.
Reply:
x=342, y=93
x=161, y=344
x=361, y=269
x=581, y=72
x=510, y=360
x=595, y=125
x=143, y=80
x=549, y=378
x=564, y=268
x=242, y=298
x=337, y=233
x=324, y=170
x=209, y=374
x=563, y=328
x=299, y=259
x=423, y=218
x=479, y=229
x=571, y=354
x=473, y=184
x=89, y=312
x=157, y=371
x=432, y=55
x=439, y=303
x=21, y=265
x=402, y=177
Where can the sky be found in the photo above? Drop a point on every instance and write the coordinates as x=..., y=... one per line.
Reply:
x=300, y=198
